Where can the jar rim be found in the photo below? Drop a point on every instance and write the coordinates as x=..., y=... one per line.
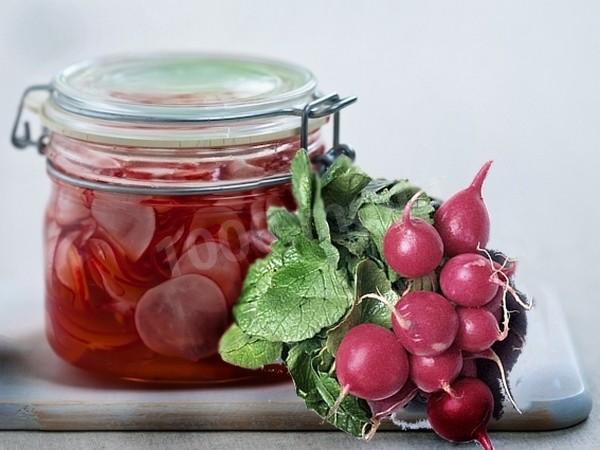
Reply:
x=180, y=87
x=179, y=100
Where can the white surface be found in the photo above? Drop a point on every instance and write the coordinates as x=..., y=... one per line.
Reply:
x=442, y=86
x=38, y=391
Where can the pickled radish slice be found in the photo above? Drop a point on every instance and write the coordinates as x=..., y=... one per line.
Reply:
x=206, y=224
x=258, y=214
x=183, y=317
x=108, y=275
x=52, y=232
x=261, y=241
x=124, y=294
x=101, y=334
x=131, y=225
x=217, y=262
x=68, y=266
x=236, y=235
x=239, y=169
x=69, y=208
x=103, y=253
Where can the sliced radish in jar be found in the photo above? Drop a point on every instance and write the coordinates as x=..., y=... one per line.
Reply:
x=105, y=256
x=129, y=224
x=112, y=279
x=217, y=262
x=207, y=222
x=69, y=207
x=261, y=241
x=52, y=231
x=68, y=266
x=183, y=317
x=239, y=169
x=235, y=234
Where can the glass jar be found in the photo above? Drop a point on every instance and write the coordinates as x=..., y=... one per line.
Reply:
x=162, y=169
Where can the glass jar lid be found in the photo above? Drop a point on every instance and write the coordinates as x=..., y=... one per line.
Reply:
x=178, y=100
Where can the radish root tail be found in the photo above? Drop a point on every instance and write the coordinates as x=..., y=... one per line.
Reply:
x=492, y=356
x=333, y=410
x=505, y=318
x=484, y=440
x=505, y=284
x=373, y=426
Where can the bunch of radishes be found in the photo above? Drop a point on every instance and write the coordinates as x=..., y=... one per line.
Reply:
x=436, y=336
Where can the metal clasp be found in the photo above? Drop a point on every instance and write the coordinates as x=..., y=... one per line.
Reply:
x=321, y=107
x=23, y=140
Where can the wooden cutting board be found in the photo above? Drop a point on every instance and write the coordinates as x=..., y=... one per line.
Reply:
x=40, y=392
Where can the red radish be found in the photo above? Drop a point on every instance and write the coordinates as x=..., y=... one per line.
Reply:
x=469, y=280
x=130, y=225
x=217, y=262
x=477, y=329
x=495, y=305
x=183, y=317
x=380, y=409
x=469, y=368
x=462, y=220
x=371, y=363
x=425, y=323
x=463, y=415
x=412, y=247
x=434, y=373
x=385, y=407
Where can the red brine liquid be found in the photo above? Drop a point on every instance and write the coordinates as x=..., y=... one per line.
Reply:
x=142, y=287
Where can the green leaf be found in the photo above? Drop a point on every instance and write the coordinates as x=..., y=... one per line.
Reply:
x=380, y=192
x=322, y=226
x=348, y=261
x=369, y=279
x=352, y=416
x=377, y=219
x=240, y=349
x=302, y=188
x=301, y=294
x=357, y=242
x=394, y=194
x=343, y=182
x=299, y=364
x=320, y=390
x=260, y=275
x=284, y=224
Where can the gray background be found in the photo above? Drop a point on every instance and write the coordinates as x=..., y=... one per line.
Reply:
x=442, y=86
